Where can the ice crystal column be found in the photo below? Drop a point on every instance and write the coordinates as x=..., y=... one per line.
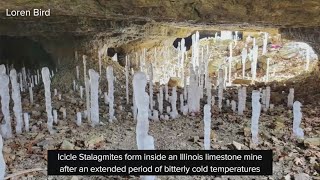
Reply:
x=209, y=95
x=2, y=162
x=55, y=116
x=127, y=79
x=2, y=69
x=99, y=57
x=207, y=126
x=78, y=118
x=193, y=94
x=297, y=116
x=166, y=92
x=47, y=82
x=94, y=89
x=84, y=57
x=31, y=94
x=139, y=84
x=267, y=73
x=290, y=97
x=174, y=113
x=87, y=86
x=230, y=63
x=181, y=102
x=110, y=79
x=81, y=92
x=263, y=96
x=24, y=76
x=26, y=121
x=268, y=95
x=233, y=106
x=220, y=90
x=151, y=86
x=5, y=101
x=254, y=62
x=244, y=55
x=256, y=109
x=77, y=70
x=160, y=101
x=64, y=113
x=265, y=43
x=16, y=97
x=241, y=98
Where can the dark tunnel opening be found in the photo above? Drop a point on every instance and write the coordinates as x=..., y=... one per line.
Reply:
x=202, y=35
x=24, y=52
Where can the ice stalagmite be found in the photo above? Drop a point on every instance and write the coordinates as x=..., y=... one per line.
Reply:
x=256, y=109
x=193, y=93
x=84, y=57
x=244, y=55
x=209, y=95
x=78, y=118
x=87, y=86
x=77, y=71
x=139, y=84
x=241, y=97
x=47, y=82
x=230, y=63
x=151, y=86
x=21, y=82
x=174, y=113
x=100, y=64
x=185, y=89
x=254, y=62
x=110, y=79
x=207, y=126
x=55, y=116
x=265, y=43
x=267, y=71
x=26, y=121
x=2, y=162
x=233, y=105
x=297, y=116
x=268, y=95
x=221, y=87
x=31, y=94
x=5, y=101
x=81, y=92
x=24, y=76
x=181, y=102
x=263, y=97
x=16, y=97
x=127, y=79
x=64, y=113
x=160, y=100
x=166, y=92
x=290, y=97
x=2, y=69
x=94, y=89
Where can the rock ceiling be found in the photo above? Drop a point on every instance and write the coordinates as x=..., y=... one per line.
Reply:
x=113, y=18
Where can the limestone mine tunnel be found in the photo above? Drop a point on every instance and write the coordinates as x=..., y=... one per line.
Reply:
x=163, y=75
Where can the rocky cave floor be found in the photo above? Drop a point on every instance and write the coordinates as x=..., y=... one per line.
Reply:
x=229, y=131
x=291, y=157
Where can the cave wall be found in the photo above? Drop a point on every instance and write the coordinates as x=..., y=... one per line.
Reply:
x=310, y=35
x=293, y=13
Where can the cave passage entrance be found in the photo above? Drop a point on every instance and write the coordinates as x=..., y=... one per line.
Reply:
x=23, y=52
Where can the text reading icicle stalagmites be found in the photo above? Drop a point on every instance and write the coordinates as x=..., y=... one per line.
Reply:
x=159, y=162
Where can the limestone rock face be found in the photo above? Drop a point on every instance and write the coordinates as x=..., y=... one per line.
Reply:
x=284, y=13
x=174, y=82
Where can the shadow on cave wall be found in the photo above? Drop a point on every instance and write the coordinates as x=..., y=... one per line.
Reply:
x=24, y=52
